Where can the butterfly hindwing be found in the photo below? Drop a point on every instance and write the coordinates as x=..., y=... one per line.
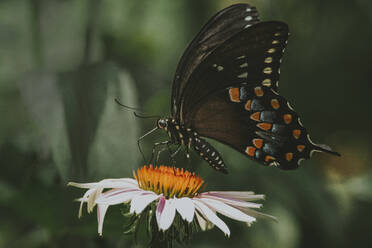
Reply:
x=221, y=27
x=257, y=122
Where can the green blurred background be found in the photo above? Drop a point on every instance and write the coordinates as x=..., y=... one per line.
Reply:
x=62, y=63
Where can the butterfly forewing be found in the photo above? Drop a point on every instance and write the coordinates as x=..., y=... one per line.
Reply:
x=251, y=57
x=221, y=27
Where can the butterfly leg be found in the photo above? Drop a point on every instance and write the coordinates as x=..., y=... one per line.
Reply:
x=139, y=140
x=176, y=152
x=163, y=149
x=172, y=154
x=159, y=152
x=154, y=149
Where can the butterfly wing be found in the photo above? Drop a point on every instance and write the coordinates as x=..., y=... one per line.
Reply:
x=219, y=28
x=231, y=97
x=251, y=57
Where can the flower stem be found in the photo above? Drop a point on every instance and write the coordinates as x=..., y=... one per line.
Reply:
x=162, y=243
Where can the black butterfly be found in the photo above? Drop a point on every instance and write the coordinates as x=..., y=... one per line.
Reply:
x=225, y=88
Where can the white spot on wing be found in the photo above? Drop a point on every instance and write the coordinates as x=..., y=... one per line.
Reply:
x=248, y=18
x=308, y=138
x=312, y=152
x=266, y=82
x=300, y=160
x=248, y=10
x=275, y=163
x=299, y=122
x=268, y=60
x=219, y=68
x=243, y=65
x=243, y=75
x=276, y=93
x=240, y=57
x=268, y=70
x=289, y=106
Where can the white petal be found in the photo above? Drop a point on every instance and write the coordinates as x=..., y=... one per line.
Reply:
x=83, y=200
x=117, y=196
x=211, y=216
x=101, y=212
x=140, y=202
x=237, y=195
x=160, y=208
x=119, y=183
x=227, y=210
x=92, y=199
x=83, y=185
x=202, y=221
x=185, y=207
x=166, y=217
x=257, y=214
x=107, y=183
x=233, y=202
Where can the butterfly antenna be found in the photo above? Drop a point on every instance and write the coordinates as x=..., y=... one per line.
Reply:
x=146, y=117
x=125, y=106
x=135, y=111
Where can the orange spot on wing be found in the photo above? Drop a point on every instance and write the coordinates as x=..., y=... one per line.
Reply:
x=257, y=143
x=296, y=133
x=269, y=158
x=255, y=116
x=289, y=156
x=264, y=126
x=300, y=148
x=275, y=103
x=287, y=118
x=250, y=150
x=258, y=91
x=248, y=105
x=234, y=94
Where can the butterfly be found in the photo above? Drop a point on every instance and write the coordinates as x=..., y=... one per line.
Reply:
x=226, y=88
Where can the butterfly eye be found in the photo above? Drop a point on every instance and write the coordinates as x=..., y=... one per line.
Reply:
x=162, y=123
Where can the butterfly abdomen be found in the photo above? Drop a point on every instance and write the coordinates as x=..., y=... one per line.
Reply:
x=209, y=154
x=181, y=135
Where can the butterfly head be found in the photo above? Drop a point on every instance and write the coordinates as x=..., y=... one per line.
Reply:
x=162, y=123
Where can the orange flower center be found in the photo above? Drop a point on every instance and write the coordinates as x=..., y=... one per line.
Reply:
x=169, y=181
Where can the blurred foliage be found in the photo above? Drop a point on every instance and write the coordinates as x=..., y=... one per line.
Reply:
x=63, y=62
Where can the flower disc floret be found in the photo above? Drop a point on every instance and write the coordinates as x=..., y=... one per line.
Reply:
x=169, y=181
